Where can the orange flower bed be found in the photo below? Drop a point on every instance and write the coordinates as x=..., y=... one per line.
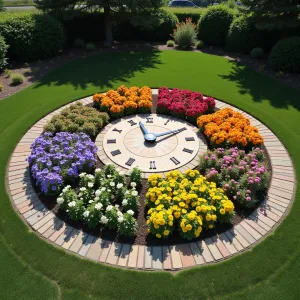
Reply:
x=227, y=127
x=124, y=101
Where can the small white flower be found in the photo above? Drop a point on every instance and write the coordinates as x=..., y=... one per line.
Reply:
x=117, y=206
x=109, y=207
x=72, y=204
x=130, y=212
x=125, y=202
x=82, y=174
x=86, y=213
x=112, y=197
x=109, y=190
x=97, y=199
x=82, y=189
x=119, y=214
x=112, y=183
x=60, y=200
x=66, y=188
x=98, y=206
x=127, y=192
x=90, y=176
x=134, y=193
x=133, y=184
x=103, y=189
x=103, y=220
x=91, y=201
x=90, y=184
x=121, y=173
x=119, y=185
x=120, y=219
x=98, y=193
x=97, y=170
x=80, y=195
x=108, y=176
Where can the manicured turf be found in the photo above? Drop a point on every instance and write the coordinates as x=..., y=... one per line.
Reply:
x=31, y=267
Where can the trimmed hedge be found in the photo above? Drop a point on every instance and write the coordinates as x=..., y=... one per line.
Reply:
x=31, y=35
x=182, y=16
x=3, y=52
x=214, y=24
x=285, y=55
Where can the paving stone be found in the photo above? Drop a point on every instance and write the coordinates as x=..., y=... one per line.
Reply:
x=79, y=241
x=39, y=208
x=281, y=193
x=37, y=216
x=276, y=206
x=227, y=243
x=86, y=245
x=105, y=250
x=95, y=249
x=186, y=255
x=197, y=254
x=148, y=258
x=124, y=255
x=26, y=206
x=114, y=253
x=43, y=221
x=278, y=199
x=53, y=228
x=261, y=229
x=133, y=255
x=286, y=178
x=157, y=259
x=175, y=257
x=141, y=257
x=167, y=263
x=283, y=185
x=233, y=240
x=213, y=249
x=221, y=247
x=280, y=203
x=64, y=236
x=240, y=238
x=250, y=230
x=246, y=235
x=69, y=240
x=56, y=234
x=205, y=252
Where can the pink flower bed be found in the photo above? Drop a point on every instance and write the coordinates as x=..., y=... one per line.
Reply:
x=184, y=104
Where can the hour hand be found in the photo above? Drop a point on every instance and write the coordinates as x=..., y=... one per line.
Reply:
x=143, y=128
x=171, y=131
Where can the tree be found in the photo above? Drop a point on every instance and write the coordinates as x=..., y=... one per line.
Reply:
x=270, y=14
x=109, y=7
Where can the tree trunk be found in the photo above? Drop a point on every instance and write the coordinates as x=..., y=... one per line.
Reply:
x=108, y=25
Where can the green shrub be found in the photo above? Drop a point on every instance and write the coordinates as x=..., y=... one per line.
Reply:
x=31, y=35
x=170, y=43
x=17, y=78
x=200, y=44
x=243, y=36
x=3, y=52
x=285, y=55
x=78, y=118
x=257, y=53
x=7, y=73
x=1, y=87
x=182, y=16
x=214, y=24
x=185, y=34
x=90, y=47
x=79, y=43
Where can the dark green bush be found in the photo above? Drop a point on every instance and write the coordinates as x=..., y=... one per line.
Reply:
x=182, y=16
x=31, y=35
x=90, y=47
x=257, y=53
x=79, y=43
x=200, y=44
x=214, y=24
x=78, y=118
x=243, y=36
x=3, y=52
x=17, y=78
x=285, y=55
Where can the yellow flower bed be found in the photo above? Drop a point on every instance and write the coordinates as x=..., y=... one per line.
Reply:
x=186, y=202
x=228, y=127
x=124, y=101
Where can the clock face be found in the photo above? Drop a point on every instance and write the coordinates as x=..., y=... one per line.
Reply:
x=153, y=143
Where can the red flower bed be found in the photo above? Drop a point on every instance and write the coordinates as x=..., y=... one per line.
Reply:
x=184, y=104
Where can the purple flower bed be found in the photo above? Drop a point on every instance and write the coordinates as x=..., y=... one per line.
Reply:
x=242, y=176
x=57, y=160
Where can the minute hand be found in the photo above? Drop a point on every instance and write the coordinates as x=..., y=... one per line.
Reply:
x=171, y=131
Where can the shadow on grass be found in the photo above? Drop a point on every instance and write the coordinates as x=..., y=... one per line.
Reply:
x=261, y=87
x=104, y=69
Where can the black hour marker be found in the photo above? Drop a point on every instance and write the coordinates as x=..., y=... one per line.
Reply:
x=118, y=130
x=130, y=161
x=189, y=139
x=111, y=141
x=187, y=150
x=175, y=161
x=149, y=119
x=167, y=122
x=131, y=122
x=115, y=152
x=152, y=165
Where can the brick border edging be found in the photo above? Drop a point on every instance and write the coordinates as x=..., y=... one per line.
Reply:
x=175, y=257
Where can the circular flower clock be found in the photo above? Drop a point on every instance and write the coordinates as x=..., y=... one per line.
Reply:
x=153, y=143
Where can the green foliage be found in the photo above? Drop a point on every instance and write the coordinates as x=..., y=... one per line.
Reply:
x=170, y=43
x=285, y=55
x=200, y=44
x=243, y=36
x=3, y=52
x=2, y=5
x=257, y=53
x=7, y=73
x=135, y=178
x=214, y=24
x=31, y=35
x=1, y=87
x=78, y=118
x=79, y=43
x=17, y=78
x=231, y=4
x=90, y=47
x=185, y=34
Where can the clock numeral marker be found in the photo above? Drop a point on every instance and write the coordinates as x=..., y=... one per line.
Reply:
x=187, y=150
x=182, y=129
x=149, y=119
x=130, y=161
x=118, y=130
x=111, y=141
x=189, y=139
x=152, y=165
x=167, y=122
x=115, y=152
x=131, y=122
x=175, y=161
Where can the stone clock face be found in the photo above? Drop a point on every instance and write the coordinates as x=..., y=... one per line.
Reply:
x=153, y=143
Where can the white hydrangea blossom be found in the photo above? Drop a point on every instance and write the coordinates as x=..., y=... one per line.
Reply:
x=103, y=189
x=86, y=214
x=82, y=174
x=72, y=204
x=60, y=200
x=66, y=188
x=97, y=170
x=97, y=198
x=130, y=212
x=133, y=184
x=112, y=197
x=98, y=193
x=127, y=192
x=98, y=206
x=91, y=201
x=109, y=207
x=134, y=193
x=103, y=220
x=117, y=206
x=90, y=176
x=90, y=184
x=119, y=185
x=108, y=176
x=120, y=219
x=125, y=202
x=112, y=184
x=82, y=189
x=119, y=214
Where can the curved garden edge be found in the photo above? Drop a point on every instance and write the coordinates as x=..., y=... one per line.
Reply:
x=243, y=236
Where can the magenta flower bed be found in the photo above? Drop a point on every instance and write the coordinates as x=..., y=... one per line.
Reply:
x=184, y=104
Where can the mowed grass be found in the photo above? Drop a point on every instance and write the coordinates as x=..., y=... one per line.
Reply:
x=33, y=269
x=185, y=10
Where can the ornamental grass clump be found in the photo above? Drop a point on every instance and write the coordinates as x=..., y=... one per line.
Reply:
x=57, y=160
x=78, y=118
x=185, y=34
x=105, y=199
x=184, y=104
x=228, y=128
x=243, y=177
x=186, y=203
x=124, y=101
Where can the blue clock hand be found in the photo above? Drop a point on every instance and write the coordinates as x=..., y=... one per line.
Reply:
x=171, y=131
x=143, y=128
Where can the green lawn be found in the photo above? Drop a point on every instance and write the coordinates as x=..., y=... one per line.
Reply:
x=33, y=269
x=185, y=10
x=18, y=3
